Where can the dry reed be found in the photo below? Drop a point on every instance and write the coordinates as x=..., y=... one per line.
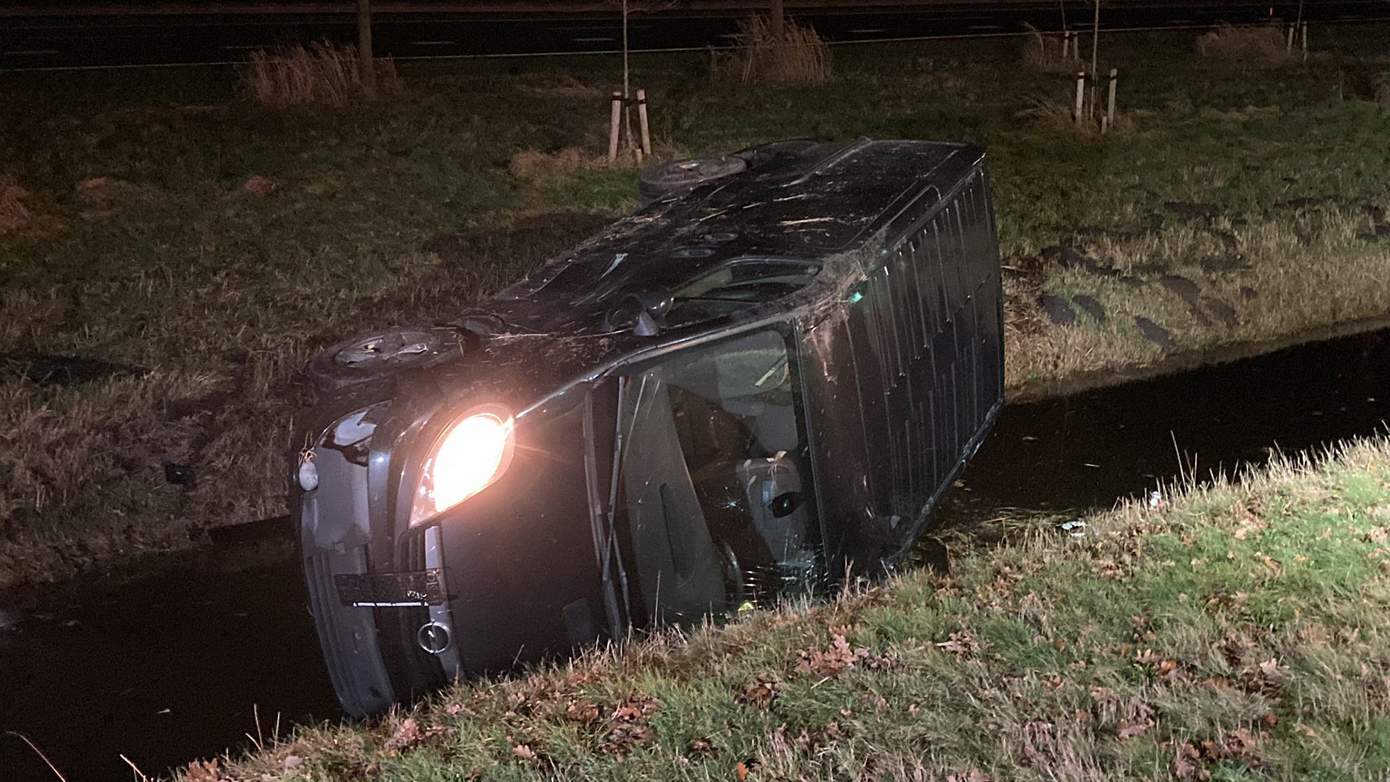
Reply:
x=800, y=57
x=1263, y=43
x=322, y=74
x=1382, y=88
x=1045, y=53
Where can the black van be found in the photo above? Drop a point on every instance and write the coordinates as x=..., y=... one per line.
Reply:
x=761, y=381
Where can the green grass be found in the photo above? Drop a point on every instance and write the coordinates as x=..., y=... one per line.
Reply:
x=1240, y=632
x=406, y=210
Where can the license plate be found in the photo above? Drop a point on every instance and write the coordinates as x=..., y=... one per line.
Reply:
x=421, y=588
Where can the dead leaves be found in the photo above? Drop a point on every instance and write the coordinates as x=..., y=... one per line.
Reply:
x=409, y=734
x=1159, y=666
x=629, y=729
x=582, y=712
x=1129, y=730
x=1040, y=744
x=1130, y=717
x=1192, y=759
x=961, y=643
x=1266, y=678
x=833, y=660
x=1248, y=521
x=204, y=771
x=759, y=693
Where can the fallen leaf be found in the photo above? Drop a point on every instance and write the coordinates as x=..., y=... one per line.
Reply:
x=1128, y=730
x=407, y=735
x=204, y=771
x=759, y=693
x=961, y=644
x=583, y=712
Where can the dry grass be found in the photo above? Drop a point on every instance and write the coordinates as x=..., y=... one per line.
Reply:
x=321, y=74
x=14, y=215
x=800, y=57
x=1281, y=260
x=552, y=166
x=1237, y=632
x=1056, y=116
x=1255, y=44
x=1381, y=83
x=1044, y=53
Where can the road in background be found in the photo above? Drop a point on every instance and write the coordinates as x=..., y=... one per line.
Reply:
x=126, y=39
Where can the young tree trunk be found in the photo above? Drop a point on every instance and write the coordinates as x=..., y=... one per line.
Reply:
x=1095, y=59
x=365, y=65
x=776, y=16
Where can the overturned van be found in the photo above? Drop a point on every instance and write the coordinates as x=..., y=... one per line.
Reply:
x=761, y=381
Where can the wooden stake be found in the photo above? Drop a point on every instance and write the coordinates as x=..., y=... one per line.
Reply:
x=615, y=120
x=365, y=62
x=1110, y=101
x=642, y=121
x=1305, y=41
x=1288, y=46
x=1080, y=96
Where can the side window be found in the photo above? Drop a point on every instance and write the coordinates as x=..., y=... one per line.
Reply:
x=715, y=478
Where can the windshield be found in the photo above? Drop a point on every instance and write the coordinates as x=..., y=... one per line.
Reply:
x=715, y=479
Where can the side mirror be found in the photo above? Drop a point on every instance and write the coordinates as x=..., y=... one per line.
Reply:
x=644, y=311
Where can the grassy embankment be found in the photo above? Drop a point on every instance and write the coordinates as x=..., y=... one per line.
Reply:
x=1241, y=632
x=161, y=222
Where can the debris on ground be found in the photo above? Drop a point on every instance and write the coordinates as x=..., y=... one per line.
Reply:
x=258, y=185
x=1057, y=310
x=100, y=196
x=1154, y=333
x=1090, y=306
x=1075, y=528
x=14, y=215
x=1222, y=311
x=46, y=369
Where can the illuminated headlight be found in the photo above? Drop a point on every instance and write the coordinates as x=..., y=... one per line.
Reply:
x=473, y=453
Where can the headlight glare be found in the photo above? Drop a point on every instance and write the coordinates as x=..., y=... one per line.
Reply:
x=473, y=453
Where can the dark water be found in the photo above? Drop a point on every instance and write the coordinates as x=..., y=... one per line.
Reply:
x=176, y=667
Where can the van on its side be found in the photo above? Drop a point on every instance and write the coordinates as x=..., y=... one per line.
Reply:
x=762, y=380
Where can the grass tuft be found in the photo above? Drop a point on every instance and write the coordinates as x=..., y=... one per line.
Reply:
x=1044, y=53
x=321, y=74
x=14, y=215
x=1255, y=44
x=800, y=57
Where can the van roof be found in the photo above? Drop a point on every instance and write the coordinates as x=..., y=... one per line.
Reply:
x=800, y=200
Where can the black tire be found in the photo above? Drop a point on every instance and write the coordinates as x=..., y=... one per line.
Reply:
x=376, y=355
x=680, y=176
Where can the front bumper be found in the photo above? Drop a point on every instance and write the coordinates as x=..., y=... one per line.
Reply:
x=386, y=636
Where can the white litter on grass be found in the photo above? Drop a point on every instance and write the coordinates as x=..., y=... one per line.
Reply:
x=1075, y=528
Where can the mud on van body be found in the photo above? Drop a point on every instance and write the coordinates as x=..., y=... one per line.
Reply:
x=762, y=380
